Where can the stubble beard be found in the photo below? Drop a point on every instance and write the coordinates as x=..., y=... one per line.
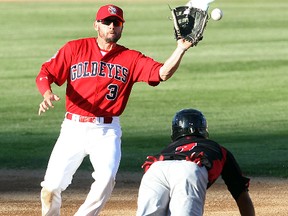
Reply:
x=111, y=39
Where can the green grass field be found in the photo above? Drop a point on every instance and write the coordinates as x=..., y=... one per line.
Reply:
x=237, y=76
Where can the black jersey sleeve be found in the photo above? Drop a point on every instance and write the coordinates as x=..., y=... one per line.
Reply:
x=232, y=176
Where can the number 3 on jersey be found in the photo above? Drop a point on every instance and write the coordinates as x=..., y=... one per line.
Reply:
x=113, y=92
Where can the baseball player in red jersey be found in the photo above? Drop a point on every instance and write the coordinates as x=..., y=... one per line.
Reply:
x=176, y=180
x=99, y=74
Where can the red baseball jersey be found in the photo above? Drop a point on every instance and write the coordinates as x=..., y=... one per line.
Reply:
x=97, y=85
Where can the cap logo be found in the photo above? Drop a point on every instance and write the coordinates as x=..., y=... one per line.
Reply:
x=112, y=10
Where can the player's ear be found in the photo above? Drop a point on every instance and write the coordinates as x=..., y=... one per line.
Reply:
x=96, y=25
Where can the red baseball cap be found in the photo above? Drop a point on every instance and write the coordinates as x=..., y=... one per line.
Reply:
x=109, y=11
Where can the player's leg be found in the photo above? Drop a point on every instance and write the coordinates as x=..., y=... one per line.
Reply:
x=104, y=150
x=188, y=188
x=66, y=157
x=153, y=195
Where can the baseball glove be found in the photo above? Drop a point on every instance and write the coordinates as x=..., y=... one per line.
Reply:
x=189, y=23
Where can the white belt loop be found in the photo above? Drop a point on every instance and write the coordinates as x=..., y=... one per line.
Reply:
x=99, y=120
x=75, y=117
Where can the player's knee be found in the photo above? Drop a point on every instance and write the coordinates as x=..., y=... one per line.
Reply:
x=51, y=201
x=46, y=197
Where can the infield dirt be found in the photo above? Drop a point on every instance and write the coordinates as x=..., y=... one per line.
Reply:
x=20, y=190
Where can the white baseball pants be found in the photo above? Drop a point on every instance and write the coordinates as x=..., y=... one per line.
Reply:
x=102, y=142
x=173, y=187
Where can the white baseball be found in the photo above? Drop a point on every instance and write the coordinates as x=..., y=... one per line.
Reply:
x=216, y=14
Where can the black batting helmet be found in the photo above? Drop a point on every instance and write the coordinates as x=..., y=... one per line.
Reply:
x=189, y=122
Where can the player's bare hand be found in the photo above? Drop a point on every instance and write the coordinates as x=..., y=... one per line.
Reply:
x=183, y=44
x=47, y=101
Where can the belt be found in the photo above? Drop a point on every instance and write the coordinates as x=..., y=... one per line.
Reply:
x=97, y=120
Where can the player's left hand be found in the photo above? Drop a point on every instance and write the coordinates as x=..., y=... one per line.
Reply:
x=190, y=22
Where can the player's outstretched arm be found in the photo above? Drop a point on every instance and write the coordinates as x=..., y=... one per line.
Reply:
x=245, y=204
x=173, y=62
x=48, y=97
